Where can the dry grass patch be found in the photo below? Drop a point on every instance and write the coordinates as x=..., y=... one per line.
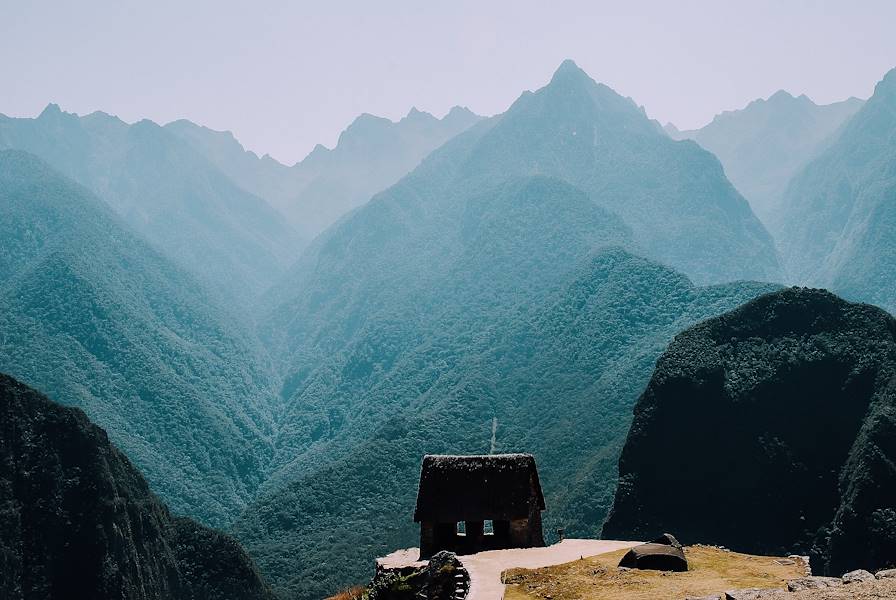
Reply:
x=597, y=578
x=353, y=593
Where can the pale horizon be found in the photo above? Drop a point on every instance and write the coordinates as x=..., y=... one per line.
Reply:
x=284, y=78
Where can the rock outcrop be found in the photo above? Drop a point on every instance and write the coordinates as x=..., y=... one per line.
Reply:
x=442, y=578
x=772, y=430
x=77, y=520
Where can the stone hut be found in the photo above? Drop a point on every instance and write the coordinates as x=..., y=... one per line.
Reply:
x=467, y=504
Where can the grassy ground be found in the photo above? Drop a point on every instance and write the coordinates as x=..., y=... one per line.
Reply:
x=597, y=578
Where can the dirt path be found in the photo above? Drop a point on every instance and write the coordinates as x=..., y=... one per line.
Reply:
x=485, y=568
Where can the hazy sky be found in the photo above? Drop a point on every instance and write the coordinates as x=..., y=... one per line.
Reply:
x=285, y=75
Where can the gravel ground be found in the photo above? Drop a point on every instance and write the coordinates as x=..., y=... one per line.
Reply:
x=872, y=590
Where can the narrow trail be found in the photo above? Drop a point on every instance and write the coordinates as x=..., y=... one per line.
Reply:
x=485, y=568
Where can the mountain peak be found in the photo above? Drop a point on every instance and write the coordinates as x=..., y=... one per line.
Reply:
x=415, y=115
x=780, y=96
x=51, y=110
x=887, y=84
x=569, y=70
x=364, y=124
x=458, y=110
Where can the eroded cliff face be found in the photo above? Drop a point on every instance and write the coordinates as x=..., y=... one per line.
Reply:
x=77, y=520
x=770, y=429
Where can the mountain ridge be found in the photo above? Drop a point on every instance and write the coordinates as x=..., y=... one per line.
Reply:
x=79, y=520
x=181, y=203
x=370, y=154
x=835, y=225
x=94, y=315
x=764, y=144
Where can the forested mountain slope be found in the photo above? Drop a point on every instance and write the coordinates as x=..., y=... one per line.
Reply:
x=837, y=224
x=79, y=521
x=371, y=154
x=556, y=376
x=771, y=429
x=672, y=195
x=95, y=317
x=765, y=143
x=475, y=263
x=187, y=208
x=517, y=314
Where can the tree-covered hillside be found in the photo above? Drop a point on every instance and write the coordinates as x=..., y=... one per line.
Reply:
x=168, y=192
x=553, y=373
x=771, y=429
x=79, y=521
x=837, y=224
x=94, y=316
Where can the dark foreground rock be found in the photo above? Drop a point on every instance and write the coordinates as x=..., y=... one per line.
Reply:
x=443, y=578
x=772, y=430
x=77, y=520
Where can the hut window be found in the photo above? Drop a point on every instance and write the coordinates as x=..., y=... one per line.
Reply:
x=461, y=528
x=488, y=527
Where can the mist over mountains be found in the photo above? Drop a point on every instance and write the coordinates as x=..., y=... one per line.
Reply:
x=371, y=154
x=837, y=224
x=188, y=209
x=763, y=145
x=275, y=347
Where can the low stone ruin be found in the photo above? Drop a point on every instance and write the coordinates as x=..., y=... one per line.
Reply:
x=442, y=578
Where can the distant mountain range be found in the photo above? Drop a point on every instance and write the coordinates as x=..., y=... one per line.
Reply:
x=764, y=144
x=78, y=520
x=94, y=316
x=169, y=193
x=770, y=429
x=836, y=226
x=371, y=154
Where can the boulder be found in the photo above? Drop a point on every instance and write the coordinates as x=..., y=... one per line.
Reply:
x=812, y=583
x=886, y=573
x=655, y=557
x=857, y=576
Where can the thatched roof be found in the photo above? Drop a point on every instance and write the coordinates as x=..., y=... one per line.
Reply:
x=477, y=488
